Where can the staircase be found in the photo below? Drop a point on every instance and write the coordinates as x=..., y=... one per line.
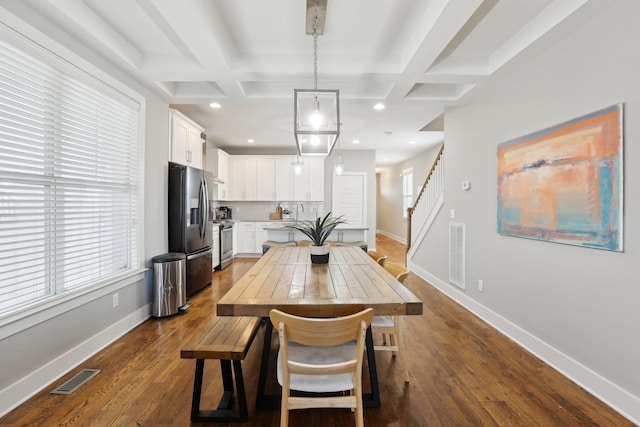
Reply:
x=428, y=202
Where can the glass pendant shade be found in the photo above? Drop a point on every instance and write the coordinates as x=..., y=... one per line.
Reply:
x=316, y=120
x=297, y=164
x=338, y=165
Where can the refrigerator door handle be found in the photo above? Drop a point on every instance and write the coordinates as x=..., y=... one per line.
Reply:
x=206, y=206
x=201, y=199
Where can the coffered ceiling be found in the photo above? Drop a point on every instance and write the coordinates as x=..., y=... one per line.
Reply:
x=415, y=56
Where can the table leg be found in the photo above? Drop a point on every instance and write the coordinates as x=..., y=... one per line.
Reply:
x=266, y=401
x=369, y=400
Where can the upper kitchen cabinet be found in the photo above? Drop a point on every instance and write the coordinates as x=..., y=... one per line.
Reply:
x=243, y=178
x=224, y=175
x=283, y=179
x=187, y=140
x=265, y=183
x=271, y=179
x=309, y=185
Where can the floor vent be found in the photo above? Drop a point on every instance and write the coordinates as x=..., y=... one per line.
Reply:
x=75, y=382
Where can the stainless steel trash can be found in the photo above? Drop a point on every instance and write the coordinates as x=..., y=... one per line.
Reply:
x=169, y=284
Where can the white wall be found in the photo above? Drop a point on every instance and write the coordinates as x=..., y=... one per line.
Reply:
x=577, y=308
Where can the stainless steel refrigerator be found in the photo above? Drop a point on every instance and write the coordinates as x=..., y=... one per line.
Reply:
x=190, y=226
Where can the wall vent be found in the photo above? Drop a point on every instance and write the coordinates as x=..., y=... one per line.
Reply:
x=75, y=382
x=456, y=254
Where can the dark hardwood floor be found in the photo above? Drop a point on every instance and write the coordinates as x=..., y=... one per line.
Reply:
x=463, y=373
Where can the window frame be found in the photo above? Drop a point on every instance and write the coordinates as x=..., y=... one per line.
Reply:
x=407, y=197
x=44, y=49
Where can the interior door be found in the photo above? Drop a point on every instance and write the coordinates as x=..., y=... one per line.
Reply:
x=349, y=198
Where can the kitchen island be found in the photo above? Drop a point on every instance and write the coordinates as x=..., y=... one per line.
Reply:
x=282, y=232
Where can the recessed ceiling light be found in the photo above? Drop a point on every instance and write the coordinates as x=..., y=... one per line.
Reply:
x=251, y=141
x=356, y=141
x=412, y=142
x=215, y=105
x=379, y=106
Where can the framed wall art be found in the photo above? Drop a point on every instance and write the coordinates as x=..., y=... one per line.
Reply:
x=564, y=184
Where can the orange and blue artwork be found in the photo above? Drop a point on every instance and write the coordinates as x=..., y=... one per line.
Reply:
x=564, y=184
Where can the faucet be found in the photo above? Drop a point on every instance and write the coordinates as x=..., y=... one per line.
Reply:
x=299, y=205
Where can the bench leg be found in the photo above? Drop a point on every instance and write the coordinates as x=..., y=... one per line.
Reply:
x=224, y=413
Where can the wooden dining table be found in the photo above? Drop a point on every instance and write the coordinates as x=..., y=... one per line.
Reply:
x=285, y=279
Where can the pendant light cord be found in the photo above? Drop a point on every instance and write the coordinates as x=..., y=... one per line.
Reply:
x=315, y=49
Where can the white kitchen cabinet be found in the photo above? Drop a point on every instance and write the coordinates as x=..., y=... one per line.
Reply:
x=223, y=174
x=186, y=141
x=261, y=235
x=246, y=232
x=283, y=179
x=265, y=183
x=243, y=178
x=316, y=179
x=309, y=185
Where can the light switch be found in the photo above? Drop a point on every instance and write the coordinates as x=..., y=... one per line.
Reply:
x=452, y=214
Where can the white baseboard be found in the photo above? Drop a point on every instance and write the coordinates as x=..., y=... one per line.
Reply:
x=22, y=390
x=398, y=239
x=614, y=396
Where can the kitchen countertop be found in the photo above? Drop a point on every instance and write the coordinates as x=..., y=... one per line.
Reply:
x=277, y=227
x=283, y=224
x=263, y=220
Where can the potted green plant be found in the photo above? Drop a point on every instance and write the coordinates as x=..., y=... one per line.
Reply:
x=318, y=231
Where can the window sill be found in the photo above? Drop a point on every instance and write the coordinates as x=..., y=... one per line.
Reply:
x=14, y=322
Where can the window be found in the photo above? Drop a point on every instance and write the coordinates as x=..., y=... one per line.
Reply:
x=69, y=184
x=407, y=191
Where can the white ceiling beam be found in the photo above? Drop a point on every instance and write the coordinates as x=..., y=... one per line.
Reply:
x=193, y=22
x=441, y=22
x=85, y=18
x=544, y=22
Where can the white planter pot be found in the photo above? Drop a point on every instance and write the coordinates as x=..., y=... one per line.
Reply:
x=319, y=254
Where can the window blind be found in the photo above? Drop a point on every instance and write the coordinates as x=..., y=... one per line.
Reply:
x=68, y=177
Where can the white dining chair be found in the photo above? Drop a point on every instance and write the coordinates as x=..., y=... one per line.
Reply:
x=321, y=356
x=390, y=326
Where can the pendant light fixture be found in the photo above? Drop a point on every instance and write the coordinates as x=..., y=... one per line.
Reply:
x=316, y=111
x=338, y=163
x=297, y=164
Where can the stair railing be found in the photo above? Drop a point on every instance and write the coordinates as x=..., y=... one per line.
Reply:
x=429, y=193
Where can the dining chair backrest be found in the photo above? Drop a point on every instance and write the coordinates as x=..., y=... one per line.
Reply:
x=398, y=271
x=322, y=332
x=334, y=365
x=378, y=257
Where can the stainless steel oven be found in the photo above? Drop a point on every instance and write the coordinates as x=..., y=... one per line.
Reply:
x=226, y=244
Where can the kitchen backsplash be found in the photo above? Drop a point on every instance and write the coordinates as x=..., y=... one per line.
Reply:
x=259, y=211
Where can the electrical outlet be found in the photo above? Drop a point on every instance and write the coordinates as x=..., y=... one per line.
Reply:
x=480, y=285
x=116, y=300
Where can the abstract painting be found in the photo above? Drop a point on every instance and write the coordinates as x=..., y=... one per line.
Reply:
x=564, y=184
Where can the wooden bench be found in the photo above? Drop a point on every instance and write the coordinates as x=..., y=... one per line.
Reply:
x=228, y=339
